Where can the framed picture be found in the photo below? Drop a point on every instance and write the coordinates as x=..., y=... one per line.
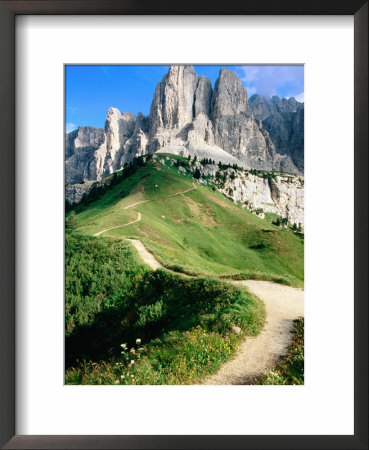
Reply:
x=240, y=82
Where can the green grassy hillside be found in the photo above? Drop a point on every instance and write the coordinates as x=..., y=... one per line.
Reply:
x=126, y=324
x=198, y=232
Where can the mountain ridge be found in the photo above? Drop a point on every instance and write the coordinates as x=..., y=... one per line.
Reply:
x=259, y=192
x=283, y=119
x=187, y=117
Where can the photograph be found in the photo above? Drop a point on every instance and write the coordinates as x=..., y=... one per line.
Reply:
x=184, y=224
x=153, y=224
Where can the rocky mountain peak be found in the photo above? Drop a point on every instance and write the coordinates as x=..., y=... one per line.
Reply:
x=172, y=105
x=188, y=117
x=177, y=72
x=263, y=106
x=283, y=119
x=230, y=96
x=203, y=95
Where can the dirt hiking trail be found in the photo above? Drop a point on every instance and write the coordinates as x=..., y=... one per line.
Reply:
x=145, y=255
x=183, y=192
x=139, y=214
x=135, y=204
x=119, y=226
x=256, y=355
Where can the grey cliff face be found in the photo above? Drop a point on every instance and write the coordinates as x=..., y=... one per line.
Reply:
x=172, y=106
x=263, y=107
x=81, y=145
x=284, y=121
x=188, y=117
x=203, y=95
x=230, y=97
x=94, y=153
x=237, y=131
x=283, y=195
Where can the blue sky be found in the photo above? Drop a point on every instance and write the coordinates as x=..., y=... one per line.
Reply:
x=91, y=90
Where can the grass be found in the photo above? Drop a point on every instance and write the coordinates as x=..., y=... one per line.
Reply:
x=177, y=358
x=200, y=232
x=255, y=275
x=184, y=324
x=98, y=272
x=126, y=324
x=290, y=370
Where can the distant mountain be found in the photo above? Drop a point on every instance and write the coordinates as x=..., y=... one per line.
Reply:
x=284, y=121
x=188, y=117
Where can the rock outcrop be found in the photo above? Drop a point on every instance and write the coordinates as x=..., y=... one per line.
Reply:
x=235, y=128
x=282, y=194
x=284, y=121
x=262, y=106
x=82, y=154
x=259, y=192
x=75, y=192
x=94, y=153
x=186, y=117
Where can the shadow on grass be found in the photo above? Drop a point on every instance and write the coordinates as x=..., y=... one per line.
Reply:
x=159, y=302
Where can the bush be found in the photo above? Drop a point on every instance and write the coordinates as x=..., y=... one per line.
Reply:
x=71, y=222
x=111, y=299
x=98, y=275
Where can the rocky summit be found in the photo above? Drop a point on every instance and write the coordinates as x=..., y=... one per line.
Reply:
x=284, y=121
x=189, y=117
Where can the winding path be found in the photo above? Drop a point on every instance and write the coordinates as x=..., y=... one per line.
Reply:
x=256, y=355
x=139, y=215
x=135, y=204
x=183, y=192
x=145, y=255
x=118, y=226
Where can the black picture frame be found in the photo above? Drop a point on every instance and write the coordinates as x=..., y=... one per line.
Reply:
x=8, y=11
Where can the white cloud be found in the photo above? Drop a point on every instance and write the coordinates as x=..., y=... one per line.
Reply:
x=299, y=97
x=70, y=127
x=251, y=90
x=249, y=74
x=272, y=80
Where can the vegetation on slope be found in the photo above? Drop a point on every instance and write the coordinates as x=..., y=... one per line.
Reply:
x=290, y=370
x=98, y=272
x=183, y=325
x=128, y=325
x=199, y=232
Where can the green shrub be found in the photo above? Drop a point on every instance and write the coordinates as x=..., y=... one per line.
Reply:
x=165, y=310
x=99, y=274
